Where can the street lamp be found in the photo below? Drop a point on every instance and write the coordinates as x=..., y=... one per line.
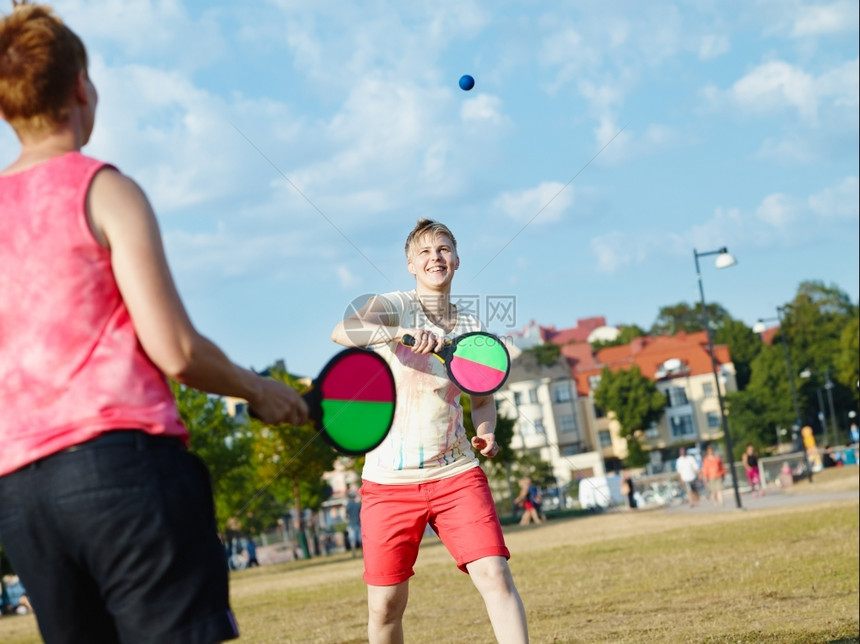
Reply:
x=828, y=387
x=724, y=260
x=759, y=328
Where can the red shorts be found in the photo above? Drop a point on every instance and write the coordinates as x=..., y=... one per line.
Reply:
x=459, y=509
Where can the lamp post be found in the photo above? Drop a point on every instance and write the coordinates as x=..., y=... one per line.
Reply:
x=828, y=385
x=759, y=328
x=822, y=417
x=724, y=260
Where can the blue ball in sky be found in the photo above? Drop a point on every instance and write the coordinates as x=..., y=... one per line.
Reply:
x=466, y=82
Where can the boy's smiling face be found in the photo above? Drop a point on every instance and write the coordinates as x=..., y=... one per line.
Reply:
x=433, y=261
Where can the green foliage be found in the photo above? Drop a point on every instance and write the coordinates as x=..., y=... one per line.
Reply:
x=682, y=317
x=846, y=362
x=765, y=405
x=625, y=336
x=534, y=467
x=636, y=402
x=546, y=354
x=744, y=346
x=223, y=444
x=637, y=455
x=820, y=330
x=290, y=460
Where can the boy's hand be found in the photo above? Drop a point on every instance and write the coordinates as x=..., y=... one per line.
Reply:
x=486, y=444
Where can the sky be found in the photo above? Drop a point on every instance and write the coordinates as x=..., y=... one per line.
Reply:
x=289, y=147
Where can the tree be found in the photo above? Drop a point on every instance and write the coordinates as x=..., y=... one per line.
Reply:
x=682, y=317
x=764, y=406
x=817, y=326
x=744, y=345
x=846, y=363
x=290, y=460
x=636, y=403
x=546, y=354
x=223, y=444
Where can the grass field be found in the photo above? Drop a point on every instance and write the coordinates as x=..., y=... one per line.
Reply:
x=779, y=575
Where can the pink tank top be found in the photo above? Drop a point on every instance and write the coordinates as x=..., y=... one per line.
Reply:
x=71, y=366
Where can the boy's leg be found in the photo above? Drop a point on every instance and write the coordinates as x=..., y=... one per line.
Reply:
x=492, y=577
x=385, y=607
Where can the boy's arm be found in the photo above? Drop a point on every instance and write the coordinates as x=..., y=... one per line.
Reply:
x=377, y=324
x=484, y=420
x=373, y=324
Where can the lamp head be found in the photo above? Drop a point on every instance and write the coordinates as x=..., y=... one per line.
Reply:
x=725, y=259
x=759, y=327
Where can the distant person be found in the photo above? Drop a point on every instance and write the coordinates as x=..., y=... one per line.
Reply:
x=714, y=474
x=688, y=469
x=827, y=458
x=353, y=522
x=529, y=500
x=251, y=548
x=105, y=515
x=855, y=434
x=750, y=461
x=849, y=455
x=630, y=490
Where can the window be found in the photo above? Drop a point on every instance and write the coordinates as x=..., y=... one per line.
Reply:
x=713, y=419
x=569, y=450
x=682, y=426
x=593, y=382
x=538, y=425
x=676, y=396
x=605, y=438
x=599, y=412
x=708, y=389
x=566, y=424
x=533, y=398
x=562, y=393
x=652, y=431
x=518, y=398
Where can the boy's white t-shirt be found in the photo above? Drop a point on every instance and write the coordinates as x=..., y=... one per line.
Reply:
x=427, y=441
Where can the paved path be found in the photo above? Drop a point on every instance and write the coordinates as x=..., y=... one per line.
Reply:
x=773, y=499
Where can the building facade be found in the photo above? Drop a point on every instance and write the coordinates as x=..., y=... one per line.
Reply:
x=556, y=415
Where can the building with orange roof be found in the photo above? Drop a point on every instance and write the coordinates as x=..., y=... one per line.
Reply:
x=679, y=365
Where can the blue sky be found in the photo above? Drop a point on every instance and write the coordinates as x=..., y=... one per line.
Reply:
x=288, y=147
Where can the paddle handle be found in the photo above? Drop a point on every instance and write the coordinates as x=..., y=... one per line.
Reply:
x=408, y=340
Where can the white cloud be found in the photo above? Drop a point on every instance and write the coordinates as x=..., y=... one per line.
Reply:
x=346, y=278
x=792, y=150
x=779, y=220
x=713, y=46
x=825, y=19
x=838, y=202
x=778, y=211
x=147, y=29
x=484, y=109
x=544, y=204
x=775, y=85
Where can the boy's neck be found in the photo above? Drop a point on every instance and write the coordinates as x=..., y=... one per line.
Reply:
x=438, y=308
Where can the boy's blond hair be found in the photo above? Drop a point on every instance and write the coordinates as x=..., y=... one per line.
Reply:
x=423, y=227
x=40, y=59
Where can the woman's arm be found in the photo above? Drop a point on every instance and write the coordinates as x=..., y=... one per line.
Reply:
x=122, y=220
